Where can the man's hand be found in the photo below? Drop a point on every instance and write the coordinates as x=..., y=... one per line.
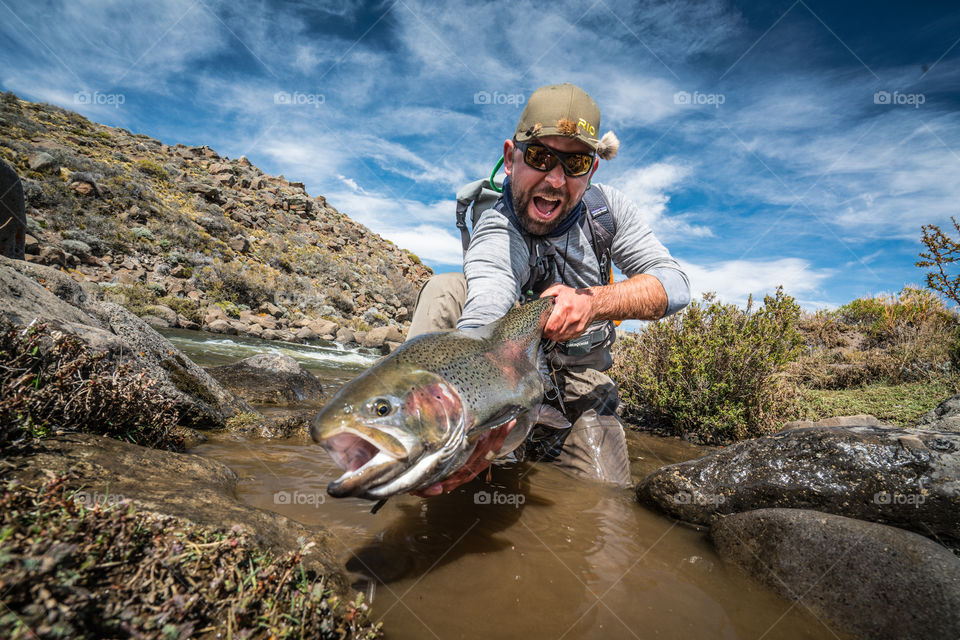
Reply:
x=477, y=462
x=572, y=313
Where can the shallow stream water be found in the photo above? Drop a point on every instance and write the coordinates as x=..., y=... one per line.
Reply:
x=528, y=553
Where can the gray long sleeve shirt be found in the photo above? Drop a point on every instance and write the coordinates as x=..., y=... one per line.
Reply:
x=497, y=262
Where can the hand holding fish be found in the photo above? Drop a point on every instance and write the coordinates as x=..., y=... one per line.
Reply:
x=431, y=413
x=573, y=311
x=489, y=442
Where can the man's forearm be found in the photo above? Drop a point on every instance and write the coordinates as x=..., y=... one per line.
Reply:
x=641, y=297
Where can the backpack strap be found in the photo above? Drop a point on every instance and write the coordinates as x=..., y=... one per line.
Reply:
x=599, y=227
x=473, y=199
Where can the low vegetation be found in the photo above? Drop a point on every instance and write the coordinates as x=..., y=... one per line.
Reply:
x=51, y=382
x=716, y=373
x=71, y=569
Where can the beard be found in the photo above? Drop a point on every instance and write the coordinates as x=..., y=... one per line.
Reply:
x=522, y=200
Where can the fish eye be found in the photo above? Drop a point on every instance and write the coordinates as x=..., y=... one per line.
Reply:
x=382, y=407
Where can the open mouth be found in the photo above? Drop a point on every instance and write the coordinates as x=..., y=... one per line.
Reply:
x=349, y=451
x=363, y=463
x=545, y=207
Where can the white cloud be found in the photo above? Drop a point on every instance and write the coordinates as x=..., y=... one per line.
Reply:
x=734, y=280
x=648, y=187
x=428, y=230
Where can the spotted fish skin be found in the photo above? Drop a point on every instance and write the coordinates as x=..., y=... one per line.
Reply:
x=413, y=418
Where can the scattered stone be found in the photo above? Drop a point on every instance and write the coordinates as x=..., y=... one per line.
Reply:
x=863, y=472
x=156, y=322
x=185, y=323
x=345, y=335
x=272, y=309
x=80, y=249
x=214, y=313
x=41, y=161
x=270, y=379
x=322, y=327
x=221, y=326
x=391, y=346
x=306, y=333
x=239, y=244
x=375, y=338
x=161, y=311
x=867, y=579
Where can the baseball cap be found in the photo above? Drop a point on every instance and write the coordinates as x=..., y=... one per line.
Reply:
x=565, y=110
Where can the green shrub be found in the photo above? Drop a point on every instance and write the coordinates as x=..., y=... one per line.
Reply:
x=886, y=339
x=151, y=168
x=714, y=372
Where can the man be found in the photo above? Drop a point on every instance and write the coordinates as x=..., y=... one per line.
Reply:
x=535, y=243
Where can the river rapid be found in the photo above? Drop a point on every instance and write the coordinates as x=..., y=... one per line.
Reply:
x=527, y=553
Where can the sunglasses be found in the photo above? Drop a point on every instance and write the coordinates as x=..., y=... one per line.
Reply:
x=544, y=158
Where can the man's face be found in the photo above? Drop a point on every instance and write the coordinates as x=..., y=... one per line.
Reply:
x=542, y=199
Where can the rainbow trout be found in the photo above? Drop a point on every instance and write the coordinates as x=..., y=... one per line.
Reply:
x=414, y=417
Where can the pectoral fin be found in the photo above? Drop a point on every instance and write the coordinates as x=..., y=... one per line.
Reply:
x=548, y=416
x=498, y=419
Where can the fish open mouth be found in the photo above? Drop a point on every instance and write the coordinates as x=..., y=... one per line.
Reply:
x=350, y=451
x=363, y=462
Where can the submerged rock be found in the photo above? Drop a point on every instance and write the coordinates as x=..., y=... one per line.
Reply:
x=270, y=378
x=906, y=478
x=868, y=579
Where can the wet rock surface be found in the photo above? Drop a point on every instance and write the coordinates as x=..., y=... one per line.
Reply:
x=195, y=489
x=270, y=378
x=906, y=478
x=871, y=580
x=945, y=417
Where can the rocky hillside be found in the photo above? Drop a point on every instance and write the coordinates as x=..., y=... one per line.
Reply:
x=186, y=237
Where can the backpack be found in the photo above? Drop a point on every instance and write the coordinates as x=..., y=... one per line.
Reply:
x=598, y=225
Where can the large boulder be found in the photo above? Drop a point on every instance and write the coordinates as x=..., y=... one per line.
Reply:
x=945, y=417
x=270, y=378
x=867, y=579
x=906, y=478
x=32, y=293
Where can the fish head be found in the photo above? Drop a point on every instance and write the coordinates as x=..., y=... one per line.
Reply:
x=389, y=430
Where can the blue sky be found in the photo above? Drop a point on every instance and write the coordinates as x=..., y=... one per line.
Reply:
x=801, y=143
